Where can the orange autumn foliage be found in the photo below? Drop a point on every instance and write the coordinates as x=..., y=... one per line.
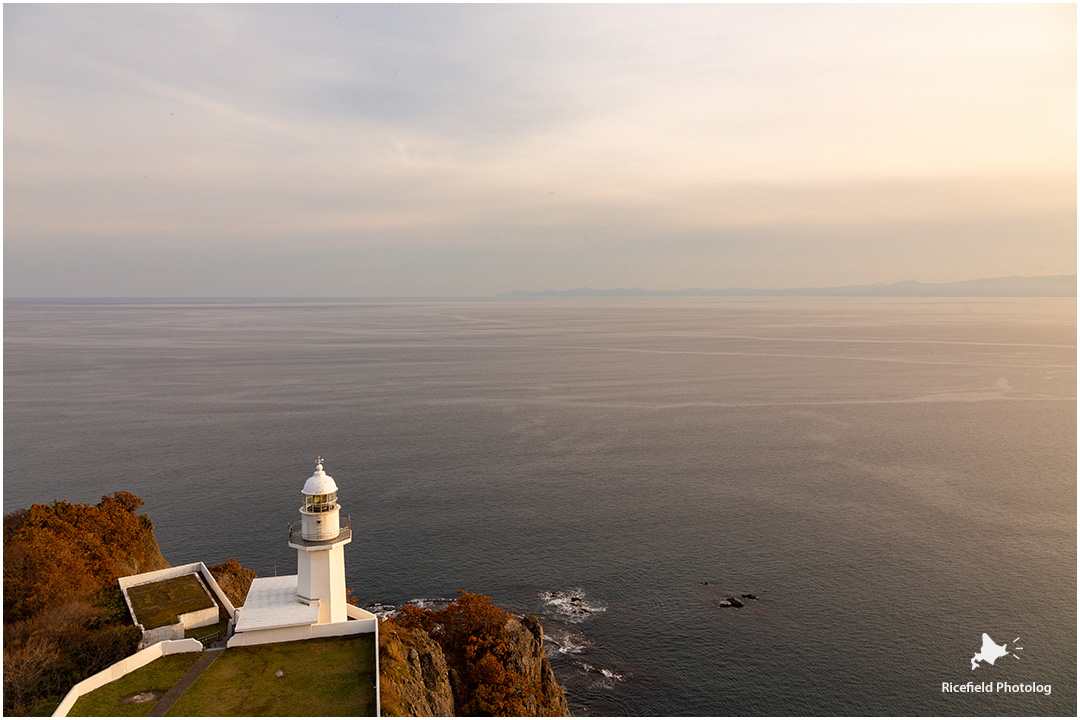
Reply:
x=472, y=631
x=65, y=551
x=64, y=617
x=234, y=580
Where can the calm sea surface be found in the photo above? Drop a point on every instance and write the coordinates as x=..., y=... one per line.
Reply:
x=890, y=478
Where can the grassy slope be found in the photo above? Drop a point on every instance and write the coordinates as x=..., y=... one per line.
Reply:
x=321, y=677
x=161, y=675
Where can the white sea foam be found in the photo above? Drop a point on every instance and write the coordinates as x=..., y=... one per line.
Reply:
x=609, y=674
x=382, y=610
x=430, y=603
x=570, y=606
x=565, y=641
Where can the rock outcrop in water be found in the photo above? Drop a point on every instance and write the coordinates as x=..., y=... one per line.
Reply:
x=472, y=658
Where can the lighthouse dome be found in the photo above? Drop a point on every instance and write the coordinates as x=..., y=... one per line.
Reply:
x=320, y=483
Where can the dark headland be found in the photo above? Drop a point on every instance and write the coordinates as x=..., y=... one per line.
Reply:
x=1012, y=286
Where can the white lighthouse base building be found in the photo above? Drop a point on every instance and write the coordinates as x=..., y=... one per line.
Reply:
x=273, y=613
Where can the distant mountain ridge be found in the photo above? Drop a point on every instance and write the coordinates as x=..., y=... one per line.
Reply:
x=1012, y=286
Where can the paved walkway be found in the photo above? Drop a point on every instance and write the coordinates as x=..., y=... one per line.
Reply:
x=162, y=706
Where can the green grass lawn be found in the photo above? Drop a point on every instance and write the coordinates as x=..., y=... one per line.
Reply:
x=160, y=603
x=159, y=675
x=334, y=676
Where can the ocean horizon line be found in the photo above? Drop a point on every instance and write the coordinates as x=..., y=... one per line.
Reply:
x=1006, y=286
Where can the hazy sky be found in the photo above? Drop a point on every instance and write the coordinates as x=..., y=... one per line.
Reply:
x=407, y=150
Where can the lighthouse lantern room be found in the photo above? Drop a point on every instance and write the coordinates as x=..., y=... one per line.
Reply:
x=319, y=513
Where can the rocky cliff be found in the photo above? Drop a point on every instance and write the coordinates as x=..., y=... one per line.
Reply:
x=471, y=659
x=531, y=661
x=413, y=675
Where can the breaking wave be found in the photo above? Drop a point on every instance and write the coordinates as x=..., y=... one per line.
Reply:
x=430, y=603
x=382, y=610
x=608, y=674
x=564, y=640
x=570, y=606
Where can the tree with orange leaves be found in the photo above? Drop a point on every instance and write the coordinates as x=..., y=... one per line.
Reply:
x=472, y=631
x=64, y=618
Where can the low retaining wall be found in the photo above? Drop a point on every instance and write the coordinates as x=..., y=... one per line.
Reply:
x=199, y=618
x=198, y=568
x=187, y=621
x=164, y=633
x=122, y=668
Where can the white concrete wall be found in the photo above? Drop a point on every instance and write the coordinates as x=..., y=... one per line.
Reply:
x=122, y=668
x=199, y=618
x=215, y=589
x=356, y=613
x=161, y=634
x=187, y=621
x=303, y=575
x=338, y=612
x=198, y=568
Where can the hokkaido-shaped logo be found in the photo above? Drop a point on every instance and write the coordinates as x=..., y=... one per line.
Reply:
x=991, y=651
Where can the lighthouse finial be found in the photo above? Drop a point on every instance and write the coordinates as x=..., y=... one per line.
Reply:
x=319, y=464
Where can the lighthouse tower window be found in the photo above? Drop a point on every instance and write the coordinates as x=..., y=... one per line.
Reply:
x=320, y=503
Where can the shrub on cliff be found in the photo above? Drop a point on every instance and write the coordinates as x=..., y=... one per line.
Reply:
x=234, y=580
x=66, y=551
x=472, y=632
x=64, y=617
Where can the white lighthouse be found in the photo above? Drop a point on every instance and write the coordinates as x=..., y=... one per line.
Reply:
x=320, y=548
x=312, y=603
